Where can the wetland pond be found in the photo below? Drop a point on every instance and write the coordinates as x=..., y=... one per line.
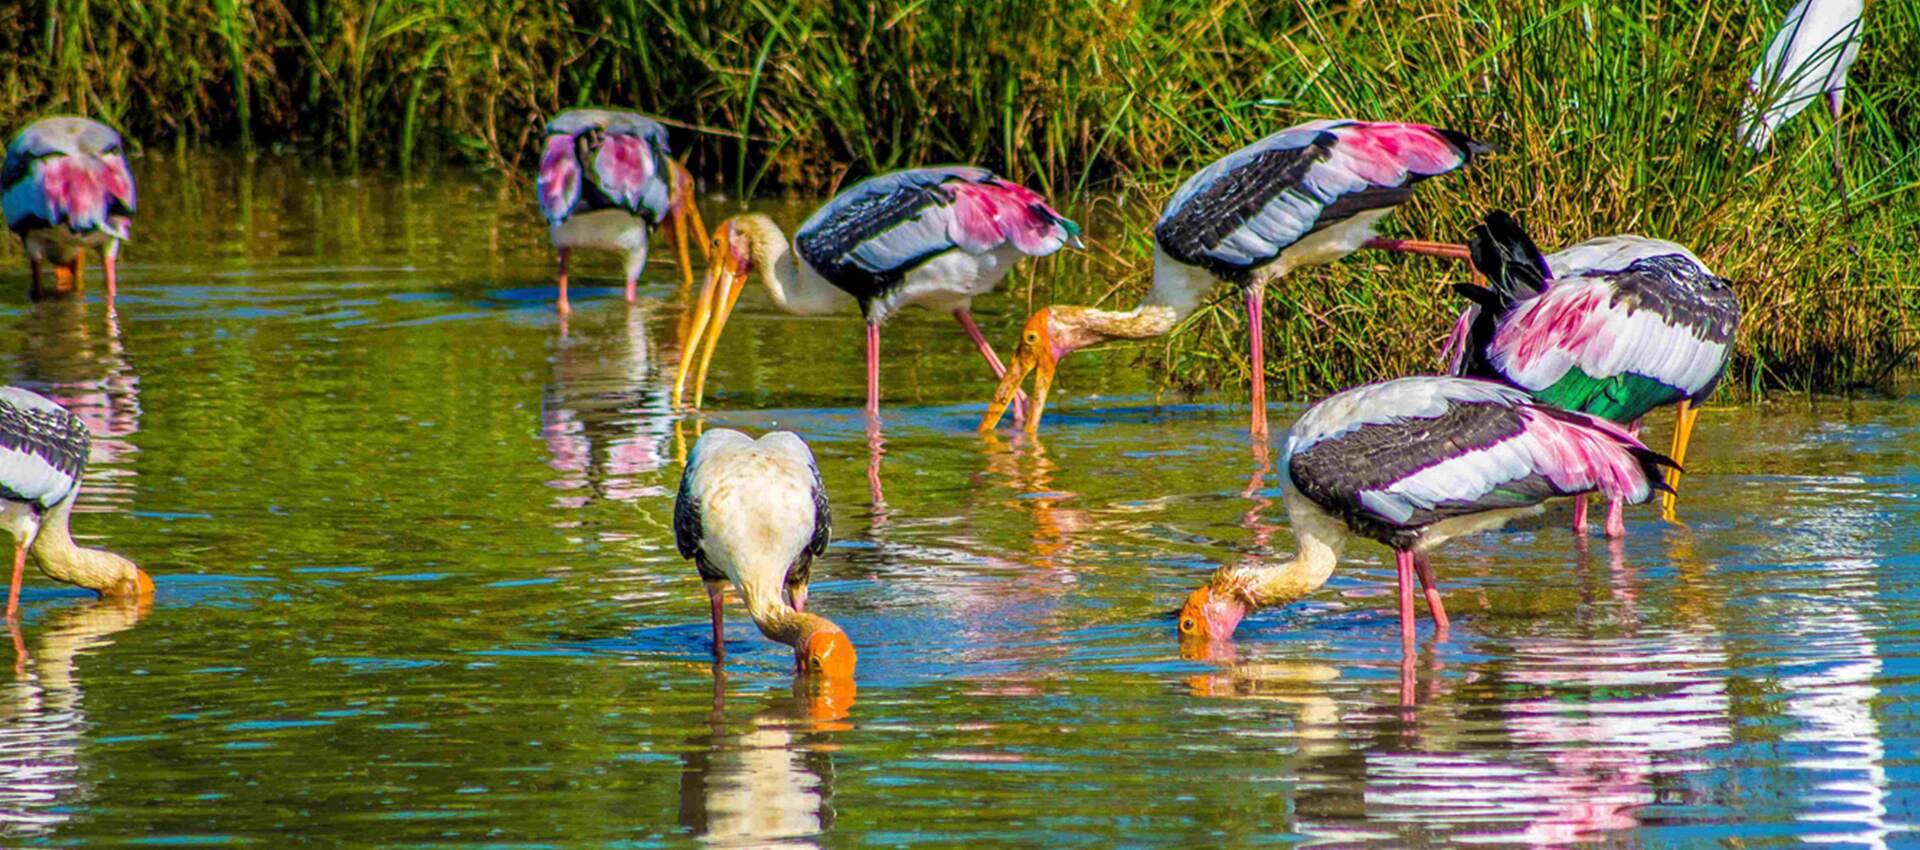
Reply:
x=417, y=585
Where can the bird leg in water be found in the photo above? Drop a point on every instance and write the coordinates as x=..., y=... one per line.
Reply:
x=1580, y=515
x=13, y=590
x=107, y=259
x=1432, y=589
x=1403, y=564
x=873, y=369
x=1446, y=250
x=716, y=592
x=562, y=306
x=1617, y=505
x=965, y=317
x=1258, y=424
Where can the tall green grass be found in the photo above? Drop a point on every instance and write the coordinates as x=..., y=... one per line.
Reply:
x=1611, y=117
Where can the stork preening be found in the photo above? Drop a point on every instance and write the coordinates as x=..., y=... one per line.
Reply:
x=1613, y=327
x=1307, y=195
x=607, y=180
x=754, y=512
x=1413, y=463
x=929, y=237
x=1807, y=59
x=66, y=190
x=43, y=450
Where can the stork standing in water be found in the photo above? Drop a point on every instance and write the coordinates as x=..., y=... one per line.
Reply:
x=43, y=449
x=1807, y=59
x=1413, y=463
x=607, y=179
x=1307, y=195
x=1613, y=327
x=928, y=237
x=66, y=189
x=754, y=512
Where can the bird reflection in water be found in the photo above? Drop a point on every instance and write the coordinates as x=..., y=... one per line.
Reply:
x=43, y=722
x=84, y=368
x=603, y=416
x=767, y=782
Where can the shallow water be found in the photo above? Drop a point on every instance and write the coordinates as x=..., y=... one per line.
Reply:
x=417, y=587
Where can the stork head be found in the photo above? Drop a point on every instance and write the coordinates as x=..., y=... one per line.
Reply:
x=1051, y=333
x=1210, y=615
x=730, y=256
x=828, y=654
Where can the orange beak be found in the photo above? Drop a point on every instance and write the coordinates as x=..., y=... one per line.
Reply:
x=725, y=281
x=1035, y=354
x=830, y=655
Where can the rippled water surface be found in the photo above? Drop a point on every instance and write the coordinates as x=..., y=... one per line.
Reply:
x=417, y=586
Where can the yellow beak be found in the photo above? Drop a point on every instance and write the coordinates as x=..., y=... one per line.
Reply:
x=1025, y=359
x=717, y=296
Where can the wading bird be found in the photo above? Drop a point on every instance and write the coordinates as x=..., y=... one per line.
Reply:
x=1412, y=463
x=66, y=188
x=43, y=449
x=1807, y=59
x=606, y=180
x=1306, y=195
x=754, y=512
x=1613, y=327
x=929, y=237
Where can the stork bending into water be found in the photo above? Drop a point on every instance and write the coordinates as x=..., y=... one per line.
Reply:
x=1306, y=195
x=608, y=179
x=754, y=512
x=1412, y=463
x=67, y=190
x=928, y=237
x=1613, y=327
x=43, y=449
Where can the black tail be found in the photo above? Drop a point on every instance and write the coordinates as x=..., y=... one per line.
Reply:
x=1654, y=465
x=1469, y=146
x=1512, y=263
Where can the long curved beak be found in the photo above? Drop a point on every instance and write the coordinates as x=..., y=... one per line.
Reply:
x=1025, y=359
x=717, y=297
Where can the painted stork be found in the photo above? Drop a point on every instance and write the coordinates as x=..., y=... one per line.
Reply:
x=929, y=237
x=607, y=179
x=66, y=189
x=1412, y=463
x=1613, y=327
x=1807, y=59
x=1307, y=195
x=754, y=512
x=43, y=449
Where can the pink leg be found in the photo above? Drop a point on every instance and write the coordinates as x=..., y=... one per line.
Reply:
x=1580, y=515
x=873, y=369
x=13, y=590
x=1616, y=508
x=633, y=283
x=1403, y=562
x=1447, y=250
x=562, y=306
x=716, y=591
x=1258, y=426
x=108, y=262
x=965, y=318
x=1432, y=588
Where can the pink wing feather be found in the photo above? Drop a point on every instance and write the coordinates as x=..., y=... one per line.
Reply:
x=559, y=185
x=995, y=212
x=624, y=169
x=1578, y=452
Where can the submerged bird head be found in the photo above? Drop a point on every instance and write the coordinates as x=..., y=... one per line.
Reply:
x=1210, y=615
x=1051, y=333
x=827, y=653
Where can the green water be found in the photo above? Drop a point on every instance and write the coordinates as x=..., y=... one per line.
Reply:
x=417, y=587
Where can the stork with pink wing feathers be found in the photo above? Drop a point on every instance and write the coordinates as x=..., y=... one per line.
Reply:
x=66, y=189
x=1413, y=463
x=1307, y=195
x=607, y=180
x=927, y=237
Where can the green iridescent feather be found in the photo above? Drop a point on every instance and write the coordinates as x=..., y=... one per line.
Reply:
x=1621, y=398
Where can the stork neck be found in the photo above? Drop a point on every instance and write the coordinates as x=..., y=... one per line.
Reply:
x=795, y=288
x=780, y=623
x=1143, y=322
x=94, y=569
x=1321, y=538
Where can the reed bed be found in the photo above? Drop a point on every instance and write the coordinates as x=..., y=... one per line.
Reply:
x=1610, y=117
